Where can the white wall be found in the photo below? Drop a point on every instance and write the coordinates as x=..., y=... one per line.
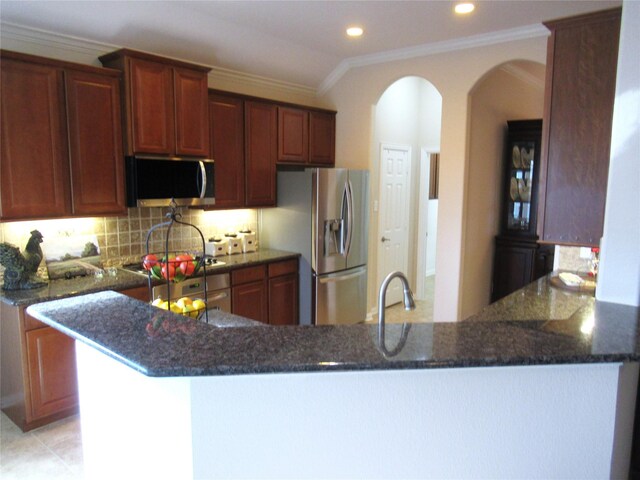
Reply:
x=619, y=275
x=453, y=74
x=514, y=91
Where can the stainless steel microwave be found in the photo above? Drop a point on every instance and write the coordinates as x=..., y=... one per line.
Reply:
x=155, y=181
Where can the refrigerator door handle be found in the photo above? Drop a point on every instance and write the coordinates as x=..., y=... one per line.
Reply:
x=339, y=277
x=347, y=233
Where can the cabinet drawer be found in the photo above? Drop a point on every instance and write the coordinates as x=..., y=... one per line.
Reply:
x=249, y=274
x=31, y=323
x=282, y=268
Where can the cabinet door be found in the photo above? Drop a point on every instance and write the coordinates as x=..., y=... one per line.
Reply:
x=283, y=300
x=152, y=109
x=52, y=372
x=226, y=126
x=322, y=139
x=140, y=293
x=250, y=300
x=512, y=270
x=192, y=119
x=581, y=76
x=293, y=135
x=261, y=151
x=34, y=170
x=95, y=144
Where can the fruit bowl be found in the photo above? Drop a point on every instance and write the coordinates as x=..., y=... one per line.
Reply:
x=183, y=306
x=174, y=267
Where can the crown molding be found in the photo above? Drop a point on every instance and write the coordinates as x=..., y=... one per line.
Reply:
x=524, y=76
x=92, y=50
x=474, y=41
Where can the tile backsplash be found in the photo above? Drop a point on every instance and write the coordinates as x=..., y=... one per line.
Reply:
x=122, y=240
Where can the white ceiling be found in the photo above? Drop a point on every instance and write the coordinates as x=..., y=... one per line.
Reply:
x=299, y=42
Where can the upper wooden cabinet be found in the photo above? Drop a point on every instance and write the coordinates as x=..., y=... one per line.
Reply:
x=95, y=143
x=261, y=151
x=322, y=139
x=293, y=135
x=165, y=104
x=306, y=137
x=582, y=55
x=61, y=139
x=226, y=122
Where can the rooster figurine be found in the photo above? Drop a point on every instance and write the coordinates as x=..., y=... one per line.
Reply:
x=20, y=268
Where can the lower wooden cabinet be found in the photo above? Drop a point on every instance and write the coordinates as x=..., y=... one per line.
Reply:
x=51, y=365
x=517, y=263
x=267, y=293
x=38, y=370
x=140, y=293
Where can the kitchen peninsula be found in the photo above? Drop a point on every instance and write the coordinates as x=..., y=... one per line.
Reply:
x=522, y=398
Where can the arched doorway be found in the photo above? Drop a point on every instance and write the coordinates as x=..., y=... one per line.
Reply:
x=406, y=134
x=511, y=91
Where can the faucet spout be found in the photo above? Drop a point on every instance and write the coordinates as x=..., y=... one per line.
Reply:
x=409, y=303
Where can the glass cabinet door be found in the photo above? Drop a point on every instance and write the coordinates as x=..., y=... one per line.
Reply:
x=520, y=174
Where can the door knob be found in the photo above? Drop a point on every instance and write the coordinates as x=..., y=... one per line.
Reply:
x=385, y=239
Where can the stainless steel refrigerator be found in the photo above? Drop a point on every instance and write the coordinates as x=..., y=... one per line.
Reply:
x=323, y=214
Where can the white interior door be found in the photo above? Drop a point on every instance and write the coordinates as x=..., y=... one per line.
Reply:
x=393, y=220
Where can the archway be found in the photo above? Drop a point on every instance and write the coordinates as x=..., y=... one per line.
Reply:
x=511, y=91
x=407, y=117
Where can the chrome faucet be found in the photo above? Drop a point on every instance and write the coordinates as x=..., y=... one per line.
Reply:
x=409, y=303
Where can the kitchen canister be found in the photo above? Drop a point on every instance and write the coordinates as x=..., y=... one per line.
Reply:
x=234, y=245
x=248, y=241
x=216, y=246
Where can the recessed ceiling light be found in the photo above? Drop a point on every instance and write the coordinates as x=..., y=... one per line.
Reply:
x=355, y=31
x=462, y=8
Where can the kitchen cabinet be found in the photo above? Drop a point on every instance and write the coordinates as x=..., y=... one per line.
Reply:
x=518, y=257
x=61, y=139
x=226, y=123
x=140, y=293
x=51, y=364
x=165, y=104
x=261, y=151
x=267, y=293
x=38, y=365
x=582, y=57
x=306, y=137
x=322, y=139
x=249, y=294
x=283, y=293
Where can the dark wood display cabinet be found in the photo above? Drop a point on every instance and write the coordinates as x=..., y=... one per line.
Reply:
x=518, y=258
x=61, y=139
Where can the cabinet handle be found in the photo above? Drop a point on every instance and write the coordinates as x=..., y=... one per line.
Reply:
x=385, y=239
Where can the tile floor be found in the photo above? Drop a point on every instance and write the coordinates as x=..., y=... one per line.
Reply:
x=51, y=452
x=54, y=452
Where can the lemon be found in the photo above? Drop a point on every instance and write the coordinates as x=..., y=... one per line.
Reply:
x=157, y=302
x=188, y=310
x=164, y=305
x=185, y=301
x=199, y=304
x=175, y=308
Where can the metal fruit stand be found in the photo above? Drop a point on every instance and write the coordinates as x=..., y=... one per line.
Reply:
x=168, y=268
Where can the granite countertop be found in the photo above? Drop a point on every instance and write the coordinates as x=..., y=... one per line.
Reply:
x=159, y=343
x=538, y=301
x=121, y=279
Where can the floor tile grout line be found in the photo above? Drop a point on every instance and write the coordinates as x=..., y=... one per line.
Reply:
x=67, y=466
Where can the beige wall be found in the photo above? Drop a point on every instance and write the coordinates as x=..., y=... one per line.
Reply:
x=499, y=96
x=453, y=74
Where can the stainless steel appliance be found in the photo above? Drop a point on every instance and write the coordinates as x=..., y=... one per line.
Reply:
x=218, y=291
x=156, y=181
x=323, y=214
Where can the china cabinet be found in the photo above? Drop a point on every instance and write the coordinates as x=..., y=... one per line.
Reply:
x=519, y=259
